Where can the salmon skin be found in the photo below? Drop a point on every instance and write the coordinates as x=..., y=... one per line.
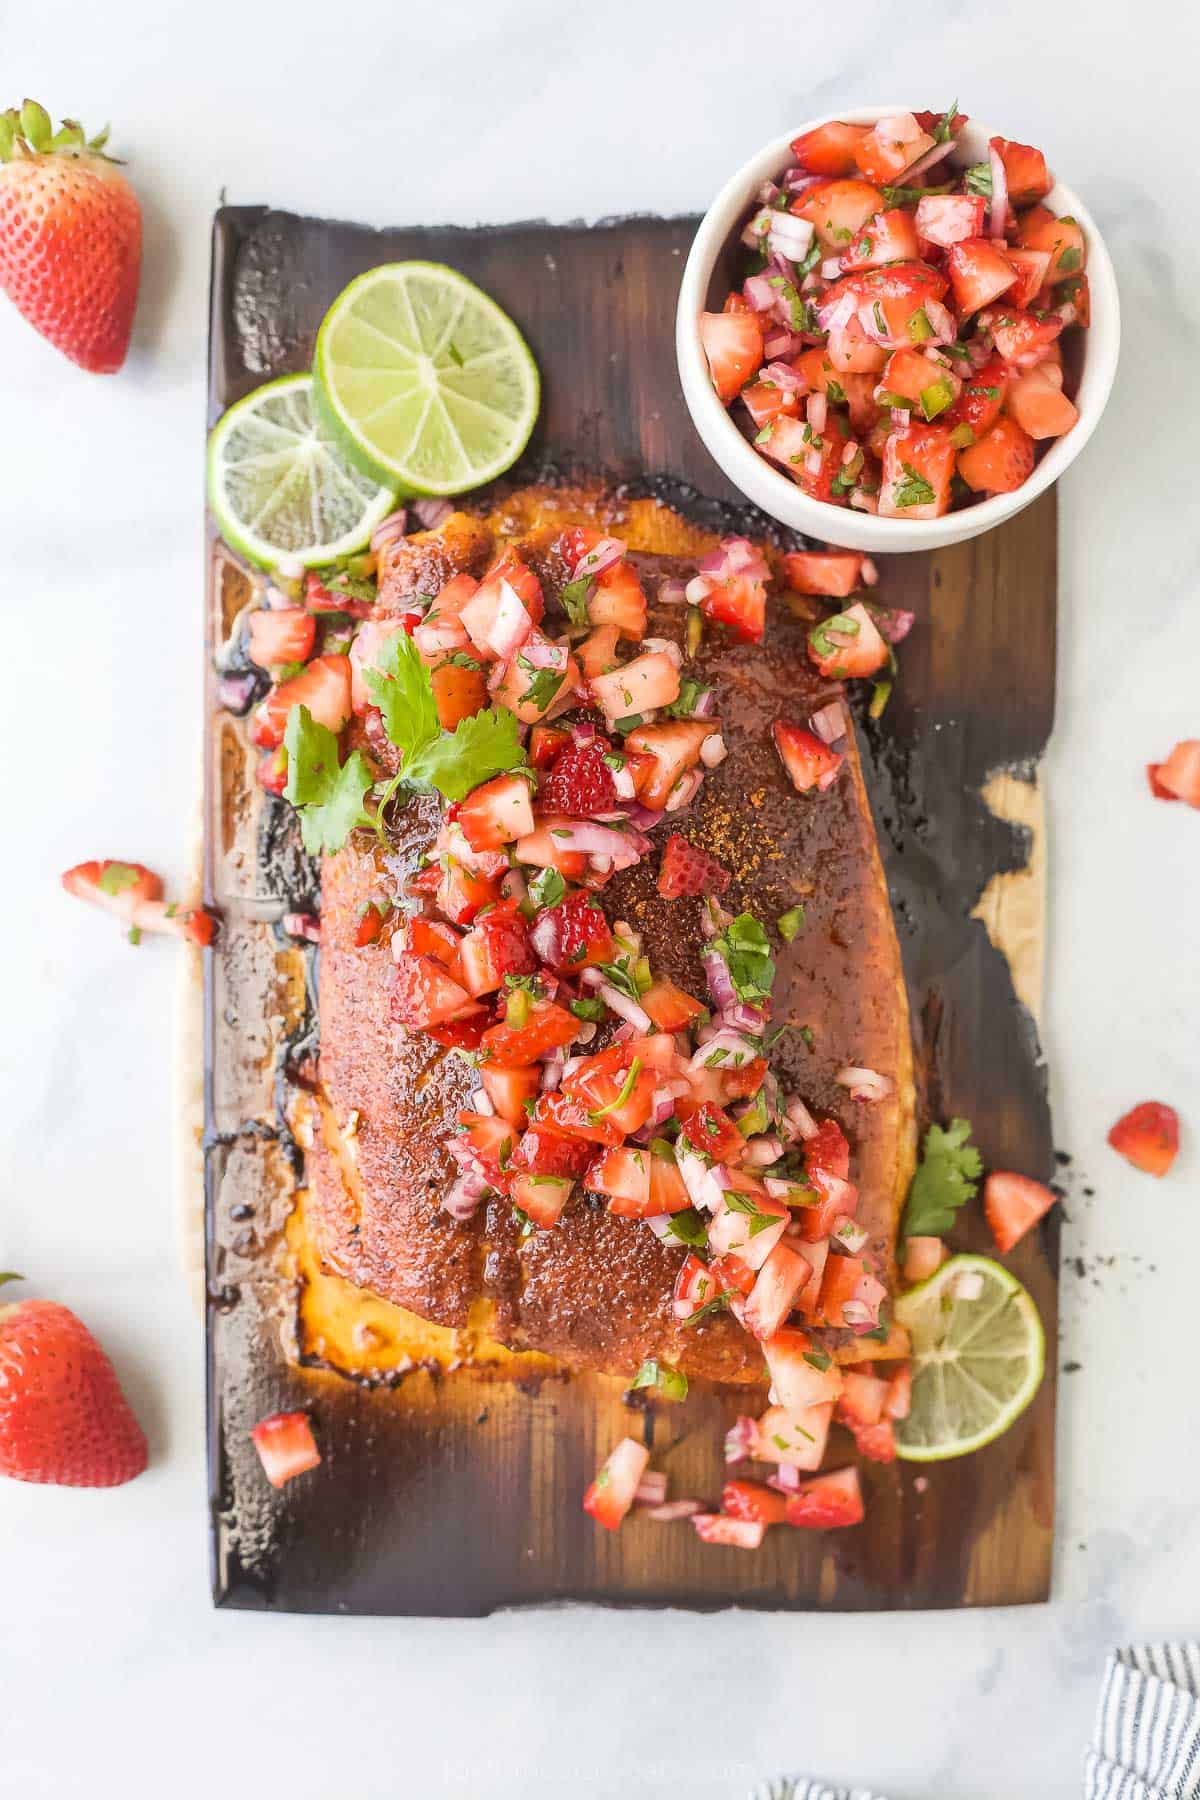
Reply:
x=596, y=1291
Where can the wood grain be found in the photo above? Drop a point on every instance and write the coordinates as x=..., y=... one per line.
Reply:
x=455, y=1494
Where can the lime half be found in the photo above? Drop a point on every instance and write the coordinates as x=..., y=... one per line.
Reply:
x=978, y=1353
x=427, y=383
x=279, y=486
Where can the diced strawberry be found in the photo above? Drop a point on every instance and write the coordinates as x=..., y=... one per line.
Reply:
x=1076, y=291
x=1013, y=1204
x=487, y=1142
x=429, y=937
x=579, y=784
x=816, y=1254
x=837, y=210
x=918, y=466
x=766, y=400
x=1021, y=337
x=751, y=1500
x=324, y=687
x=370, y=924
x=891, y=146
x=895, y=296
x=981, y=398
x=775, y=1292
x=1000, y=462
x=946, y=219
x=545, y=743
x=497, y=946
x=1147, y=1136
x=120, y=888
x=669, y=1007
x=617, y=599
x=733, y=347
x=574, y=933
x=923, y=1257
x=460, y=1034
x=668, y=1194
x=458, y=693
x=739, y=1081
x=1025, y=172
x=741, y=1534
x=899, y=1392
x=829, y=149
x=1039, y=405
x=1062, y=238
x=739, y=600
x=834, y=573
x=617, y=1087
x=509, y=568
x=685, y=869
x=851, y=352
x=540, y=1197
x=797, y=1439
x=542, y=850
x=508, y=1090
x=827, y=1502
x=839, y=1200
x=285, y=635
x=624, y=1175
x=910, y=376
x=543, y=1151
x=710, y=1130
x=462, y=893
x=695, y=1287
x=424, y=993
x=497, y=813
x=809, y=761
x=648, y=682
x=734, y=1277
x=541, y=678
x=513, y=1046
x=886, y=238
x=674, y=747
x=862, y=1399
x=286, y=1446
x=1180, y=774
x=322, y=598
x=749, y=1222
x=1032, y=267
x=877, y=1442
x=801, y=1376
x=610, y=1496
x=271, y=771
x=828, y=1150
x=979, y=272
x=838, y=1285
x=597, y=654
x=847, y=645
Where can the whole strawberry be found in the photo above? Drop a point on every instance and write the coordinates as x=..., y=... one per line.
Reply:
x=63, y=1417
x=70, y=237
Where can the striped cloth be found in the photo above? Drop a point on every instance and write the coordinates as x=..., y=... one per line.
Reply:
x=1145, y=1745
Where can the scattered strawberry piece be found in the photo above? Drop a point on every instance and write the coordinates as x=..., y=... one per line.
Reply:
x=1179, y=777
x=545, y=742
x=63, y=1417
x=923, y=1257
x=848, y=645
x=70, y=239
x=458, y=693
x=286, y=1446
x=827, y=1502
x=733, y=347
x=271, y=771
x=828, y=1150
x=696, y=1286
x=809, y=761
x=544, y=1151
x=829, y=149
x=617, y=599
x=687, y=870
x=1000, y=462
x=134, y=895
x=751, y=1500
x=497, y=946
x=578, y=785
x=668, y=1006
x=1147, y=1136
x=370, y=925
x=540, y=1197
x=324, y=687
x=664, y=753
x=877, y=1442
x=741, y=1534
x=574, y=933
x=1014, y=1203
x=611, y=1495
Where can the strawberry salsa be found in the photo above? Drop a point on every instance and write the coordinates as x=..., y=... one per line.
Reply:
x=567, y=745
x=896, y=343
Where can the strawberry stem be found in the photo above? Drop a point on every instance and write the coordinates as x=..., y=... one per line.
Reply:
x=8, y=1275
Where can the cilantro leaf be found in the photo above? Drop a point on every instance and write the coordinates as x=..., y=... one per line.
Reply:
x=574, y=600
x=328, y=797
x=946, y=1179
x=671, y=1382
x=914, y=490
x=746, y=953
x=688, y=1228
x=547, y=888
x=402, y=688
x=456, y=761
x=979, y=180
x=117, y=878
x=944, y=127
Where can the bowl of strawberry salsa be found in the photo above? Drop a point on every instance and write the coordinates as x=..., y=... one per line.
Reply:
x=896, y=329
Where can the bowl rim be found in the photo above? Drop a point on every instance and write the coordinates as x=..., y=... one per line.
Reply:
x=769, y=487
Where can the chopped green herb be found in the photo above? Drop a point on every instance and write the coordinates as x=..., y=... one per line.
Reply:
x=574, y=600
x=328, y=795
x=627, y=1087
x=942, y=131
x=978, y=180
x=1070, y=259
x=688, y=1227
x=117, y=878
x=766, y=434
x=820, y=1359
x=746, y=953
x=453, y=762
x=654, y=1374
x=719, y=1304
x=835, y=391
x=547, y=887
x=946, y=1179
x=881, y=693
x=790, y=923
x=914, y=490
x=588, y=1009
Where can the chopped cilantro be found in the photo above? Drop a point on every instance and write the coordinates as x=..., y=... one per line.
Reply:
x=835, y=391
x=328, y=796
x=914, y=490
x=790, y=923
x=945, y=1180
x=588, y=1009
x=574, y=600
x=117, y=878
x=747, y=1204
x=653, y=1374
x=746, y=953
x=543, y=684
x=688, y=1228
x=547, y=887
x=1070, y=259
x=942, y=131
x=979, y=180
x=719, y=1304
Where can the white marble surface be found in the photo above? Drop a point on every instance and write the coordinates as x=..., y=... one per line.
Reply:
x=115, y=1674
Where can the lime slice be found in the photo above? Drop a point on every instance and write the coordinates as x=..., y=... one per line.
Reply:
x=426, y=382
x=978, y=1353
x=280, y=489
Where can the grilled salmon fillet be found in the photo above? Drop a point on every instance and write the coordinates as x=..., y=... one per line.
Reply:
x=596, y=1291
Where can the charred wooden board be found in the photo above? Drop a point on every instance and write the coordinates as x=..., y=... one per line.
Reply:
x=458, y=1493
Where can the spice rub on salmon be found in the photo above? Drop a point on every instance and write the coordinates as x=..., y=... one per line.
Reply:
x=616, y=1041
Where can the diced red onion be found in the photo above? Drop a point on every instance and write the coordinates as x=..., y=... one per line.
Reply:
x=945, y=330
x=812, y=463
x=894, y=625
x=276, y=599
x=767, y=192
x=703, y=1191
x=586, y=838
x=624, y=1007
x=235, y=692
x=436, y=638
x=743, y=1017
x=756, y=228
x=607, y=552
x=463, y=1197
x=998, y=211
x=869, y=1295
x=546, y=940
x=511, y=625
x=758, y=293
x=685, y=789
x=863, y=501
x=720, y=982
x=665, y=647
x=651, y=1489
x=738, y=1052
x=865, y=1084
x=818, y=411
x=784, y=376
x=552, y=1074
x=798, y=1121
x=513, y=886
x=303, y=925
x=785, y=1478
x=789, y=235
x=432, y=513
x=764, y=1150
x=831, y=268
x=390, y=530
x=835, y=314
x=672, y=592
x=797, y=180
x=930, y=159
x=783, y=344
x=713, y=750
x=697, y=590
x=644, y=818
x=741, y=1440
x=546, y=655
x=671, y=1510
x=850, y=1235
x=829, y=723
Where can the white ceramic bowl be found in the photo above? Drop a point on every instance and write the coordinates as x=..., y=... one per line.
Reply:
x=713, y=267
